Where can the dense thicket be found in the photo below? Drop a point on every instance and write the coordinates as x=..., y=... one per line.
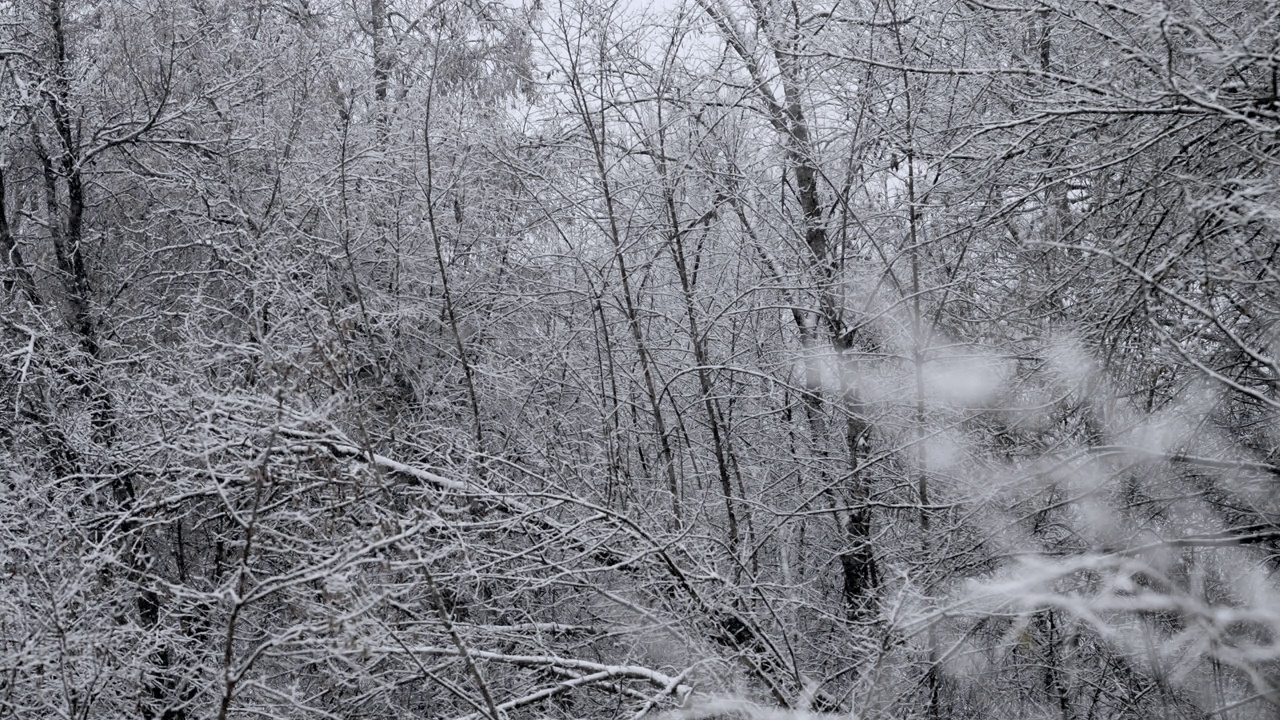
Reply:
x=884, y=359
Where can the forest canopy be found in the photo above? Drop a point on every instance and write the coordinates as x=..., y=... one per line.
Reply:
x=592, y=359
